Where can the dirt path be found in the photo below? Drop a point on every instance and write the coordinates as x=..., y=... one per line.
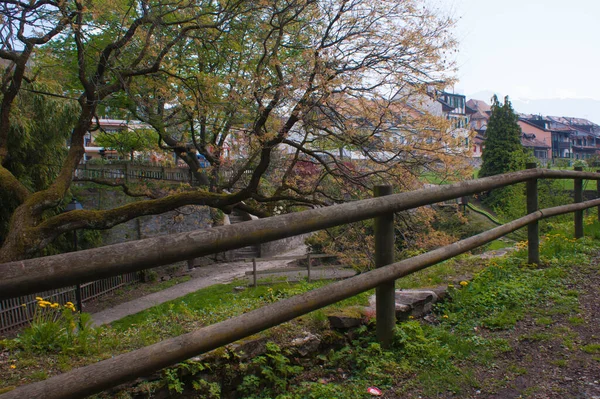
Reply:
x=202, y=277
x=553, y=357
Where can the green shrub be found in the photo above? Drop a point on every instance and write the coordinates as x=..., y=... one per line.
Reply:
x=57, y=328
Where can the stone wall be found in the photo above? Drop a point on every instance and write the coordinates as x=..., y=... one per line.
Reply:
x=187, y=218
x=273, y=248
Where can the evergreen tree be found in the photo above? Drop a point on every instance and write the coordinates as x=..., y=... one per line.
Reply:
x=503, y=143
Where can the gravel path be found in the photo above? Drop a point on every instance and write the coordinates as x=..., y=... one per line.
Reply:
x=202, y=277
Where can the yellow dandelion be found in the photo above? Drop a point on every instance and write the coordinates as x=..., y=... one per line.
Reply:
x=54, y=305
x=445, y=316
x=69, y=303
x=24, y=304
x=42, y=304
x=464, y=283
x=39, y=298
x=411, y=317
x=12, y=366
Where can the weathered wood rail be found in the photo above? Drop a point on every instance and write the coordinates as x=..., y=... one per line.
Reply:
x=39, y=274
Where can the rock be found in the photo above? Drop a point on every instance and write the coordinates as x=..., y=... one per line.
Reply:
x=344, y=322
x=309, y=343
x=347, y=318
x=249, y=348
x=415, y=303
x=441, y=291
x=420, y=301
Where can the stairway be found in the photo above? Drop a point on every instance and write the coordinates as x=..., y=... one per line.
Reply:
x=252, y=251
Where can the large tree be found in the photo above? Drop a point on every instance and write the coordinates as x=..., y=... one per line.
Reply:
x=503, y=145
x=291, y=82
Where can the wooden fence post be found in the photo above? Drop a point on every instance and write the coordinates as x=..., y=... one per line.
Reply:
x=384, y=255
x=598, y=193
x=254, y=272
x=578, y=186
x=308, y=268
x=533, y=231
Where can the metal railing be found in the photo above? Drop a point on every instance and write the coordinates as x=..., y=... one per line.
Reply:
x=133, y=172
x=127, y=172
x=18, y=312
x=76, y=267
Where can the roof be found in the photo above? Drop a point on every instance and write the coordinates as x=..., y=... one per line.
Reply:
x=529, y=140
x=480, y=115
x=579, y=121
x=479, y=105
x=530, y=123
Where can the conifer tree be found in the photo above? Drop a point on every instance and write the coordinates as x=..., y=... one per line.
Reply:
x=503, y=142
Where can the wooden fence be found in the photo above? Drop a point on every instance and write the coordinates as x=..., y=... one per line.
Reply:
x=18, y=312
x=28, y=276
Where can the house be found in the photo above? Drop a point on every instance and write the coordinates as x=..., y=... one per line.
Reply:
x=584, y=135
x=571, y=138
x=453, y=108
x=92, y=150
x=479, y=119
x=106, y=125
x=478, y=122
x=537, y=139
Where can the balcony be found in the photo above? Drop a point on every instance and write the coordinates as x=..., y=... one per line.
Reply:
x=561, y=145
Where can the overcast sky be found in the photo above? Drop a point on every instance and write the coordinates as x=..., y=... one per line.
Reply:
x=529, y=49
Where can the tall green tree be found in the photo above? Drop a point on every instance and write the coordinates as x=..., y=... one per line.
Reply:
x=503, y=147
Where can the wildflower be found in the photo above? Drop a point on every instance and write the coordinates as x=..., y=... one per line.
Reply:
x=411, y=317
x=24, y=304
x=464, y=283
x=12, y=366
x=445, y=316
x=38, y=298
x=54, y=305
x=450, y=285
x=69, y=304
x=42, y=304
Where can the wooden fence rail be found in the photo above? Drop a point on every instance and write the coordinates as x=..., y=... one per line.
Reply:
x=67, y=268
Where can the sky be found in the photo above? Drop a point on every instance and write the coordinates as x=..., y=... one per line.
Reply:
x=529, y=49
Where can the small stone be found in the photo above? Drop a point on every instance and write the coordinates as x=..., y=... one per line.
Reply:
x=307, y=344
x=344, y=322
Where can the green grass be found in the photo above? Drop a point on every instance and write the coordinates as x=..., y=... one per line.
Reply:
x=499, y=244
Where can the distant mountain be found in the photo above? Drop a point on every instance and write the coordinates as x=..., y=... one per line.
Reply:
x=576, y=107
